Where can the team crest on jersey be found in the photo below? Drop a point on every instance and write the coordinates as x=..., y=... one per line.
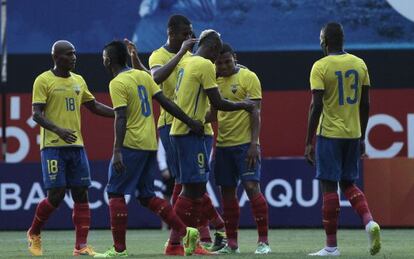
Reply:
x=233, y=88
x=77, y=89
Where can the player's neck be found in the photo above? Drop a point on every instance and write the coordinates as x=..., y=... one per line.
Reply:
x=60, y=73
x=336, y=51
x=171, y=47
x=116, y=70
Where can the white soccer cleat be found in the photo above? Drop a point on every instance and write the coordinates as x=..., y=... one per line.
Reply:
x=324, y=252
x=374, y=237
x=262, y=248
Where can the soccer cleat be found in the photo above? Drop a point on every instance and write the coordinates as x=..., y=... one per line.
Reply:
x=34, y=244
x=111, y=253
x=206, y=245
x=227, y=250
x=174, y=250
x=374, y=237
x=262, y=248
x=200, y=250
x=87, y=250
x=190, y=240
x=324, y=252
x=220, y=241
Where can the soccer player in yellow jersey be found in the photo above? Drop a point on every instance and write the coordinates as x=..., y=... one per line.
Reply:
x=339, y=115
x=237, y=155
x=134, y=161
x=196, y=88
x=57, y=98
x=165, y=63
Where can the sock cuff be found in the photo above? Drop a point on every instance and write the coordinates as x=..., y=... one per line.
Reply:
x=48, y=204
x=352, y=190
x=84, y=205
x=330, y=196
x=258, y=196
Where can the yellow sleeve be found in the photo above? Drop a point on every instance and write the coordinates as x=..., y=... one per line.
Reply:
x=154, y=88
x=254, y=87
x=118, y=94
x=39, y=90
x=87, y=95
x=208, y=75
x=366, y=80
x=316, y=77
x=156, y=59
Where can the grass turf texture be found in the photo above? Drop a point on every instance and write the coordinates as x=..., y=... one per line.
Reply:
x=285, y=243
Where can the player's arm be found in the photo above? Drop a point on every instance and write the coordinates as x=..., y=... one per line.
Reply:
x=221, y=104
x=211, y=115
x=173, y=109
x=161, y=73
x=99, y=108
x=364, y=106
x=254, y=152
x=120, y=130
x=135, y=60
x=315, y=111
x=38, y=116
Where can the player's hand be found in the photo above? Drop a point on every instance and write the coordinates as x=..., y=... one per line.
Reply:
x=253, y=154
x=117, y=162
x=197, y=127
x=310, y=154
x=362, y=149
x=67, y=135
x=165, y=174
x=188, y=45
x=132, y=49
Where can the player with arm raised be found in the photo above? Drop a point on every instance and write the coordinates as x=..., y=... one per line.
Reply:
x=57, y=98
x=237, y=155
x=338, y=115
x=134, y=161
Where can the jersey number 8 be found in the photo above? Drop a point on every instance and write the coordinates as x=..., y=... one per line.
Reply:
x=145, y=105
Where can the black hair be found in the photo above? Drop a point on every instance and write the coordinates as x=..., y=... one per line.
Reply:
x=334, y=34
x=226, y=49
x=210, y=38
x=117, y=51
x=176, y=21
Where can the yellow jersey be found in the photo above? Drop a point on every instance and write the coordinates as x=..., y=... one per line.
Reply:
x=160, y=57
x=62, y=97
x=234, y=127
x=341, y=76
x=134, y=90
x=197, y=75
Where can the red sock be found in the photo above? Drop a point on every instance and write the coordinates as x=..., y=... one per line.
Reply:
x=205, y=233
x=261, y=216
x=43, y=211
x=330, y=211
x=176, y=192
x=184, y=211
x=211, y=213
x=118, y=212
x=231, y=214
x=358, y=201
x=81, y=217
x=163, y=209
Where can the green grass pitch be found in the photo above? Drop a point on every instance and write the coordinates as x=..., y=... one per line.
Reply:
x=285, y=243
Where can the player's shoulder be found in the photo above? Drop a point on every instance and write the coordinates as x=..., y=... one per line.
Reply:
x=356, y=59
x=46, y=75
x=247, y=73
x=77, y=76
x=161, y=52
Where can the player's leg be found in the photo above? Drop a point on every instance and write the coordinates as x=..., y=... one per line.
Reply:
x=225, y=172
x=328, y=171
x=355, y=196
x=164, y=210
x=54, y=180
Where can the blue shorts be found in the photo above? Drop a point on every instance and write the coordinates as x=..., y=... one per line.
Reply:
x=138, y=177
x=230, y=166
x=65, y=167
x=192, y=158
x=166, y=142
x=209, y=146
x=337, y=159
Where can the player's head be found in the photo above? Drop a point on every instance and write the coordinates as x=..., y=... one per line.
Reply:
x=63, y=54
x=115, y=54
x=210, y=41
x=226, y=61
x=332, y=37
x=179, y=29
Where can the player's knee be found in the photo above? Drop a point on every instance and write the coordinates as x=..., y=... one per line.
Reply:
x=79, y=194
x=144, y=201
x=344, y=185
x=56, y=196
x=251, y=188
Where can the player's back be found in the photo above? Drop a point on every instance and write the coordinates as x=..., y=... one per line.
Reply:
x=341, y=76
x=135, y=89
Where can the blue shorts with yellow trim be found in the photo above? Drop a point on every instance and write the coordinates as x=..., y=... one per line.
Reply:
x=337, y=159
x=230, y=166
x=191, y=153
x=139, y=174
x=65, y=167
